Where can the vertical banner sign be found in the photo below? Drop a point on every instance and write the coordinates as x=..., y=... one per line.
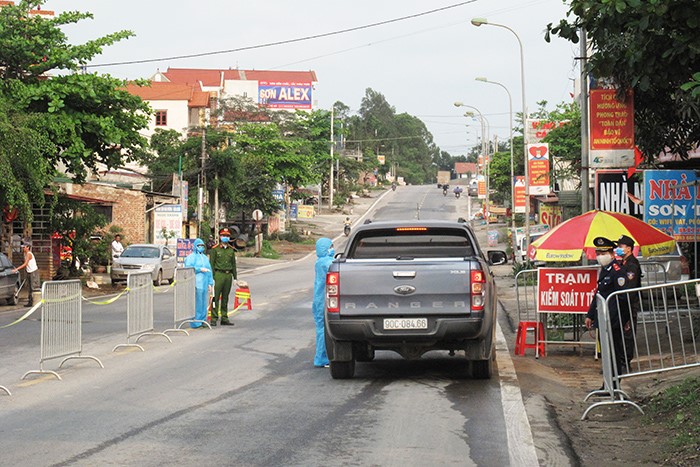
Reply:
x=538, y=165
x=565, y=290
x=611, y=130
x=537, y=129
x=550, y=214
x=168, y=217
x=671, y=203
x=284, y=95
x=615, y=191
x=481, y=187
x=519, y=190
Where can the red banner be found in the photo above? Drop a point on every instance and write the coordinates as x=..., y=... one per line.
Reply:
x=538, y=165
x=519, y=193
x=565, y=290
x=612, y=121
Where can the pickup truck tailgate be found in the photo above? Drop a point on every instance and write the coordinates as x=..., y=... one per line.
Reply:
x=404, y=288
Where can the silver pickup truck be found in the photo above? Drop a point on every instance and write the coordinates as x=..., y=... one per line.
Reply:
x=411, y=287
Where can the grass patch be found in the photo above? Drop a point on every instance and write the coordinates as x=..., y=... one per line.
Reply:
x=268, y=251
x=678, y=408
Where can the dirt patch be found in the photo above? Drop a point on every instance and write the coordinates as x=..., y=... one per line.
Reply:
x=612, y=435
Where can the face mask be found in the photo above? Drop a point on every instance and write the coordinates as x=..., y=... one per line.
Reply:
x=331, y=252
x=200, y=248
x=225, y=239
x=619, y=251
x=604, y=260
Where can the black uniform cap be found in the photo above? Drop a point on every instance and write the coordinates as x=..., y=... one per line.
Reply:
x=603, y=244
x=625, y=240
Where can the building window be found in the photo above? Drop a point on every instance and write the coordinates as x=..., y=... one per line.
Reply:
x=161, y=117
x=104, y=210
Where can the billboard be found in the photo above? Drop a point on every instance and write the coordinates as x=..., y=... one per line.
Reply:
x=184, y=247
x=168, y=217
x=617, y=191
x=519, y=190
x=537, y=128
x=284, y=95
x=671, y=203
x=611, y=129
x=538, y=166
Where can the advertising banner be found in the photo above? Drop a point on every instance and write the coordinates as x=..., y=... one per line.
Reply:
x=611, y=130
x=168, y=217
x=565, y=290
x=550, y=215
x=671, y=203
x=305, y=212
x=538, y=128
x=481, y=187
x=284, y=95
x=293, y=209
x=519, y=190
x=538, y=165
x=184, y=246
x=615, y=191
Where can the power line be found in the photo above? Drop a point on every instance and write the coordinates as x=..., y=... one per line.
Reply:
x=288, y=41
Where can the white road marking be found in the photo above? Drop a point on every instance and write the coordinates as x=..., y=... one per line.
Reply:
x=521, y=446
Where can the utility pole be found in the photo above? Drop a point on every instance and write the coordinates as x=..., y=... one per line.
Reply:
x=202, y=184
x=216, y=203
x=585, y=158
x=330, y=191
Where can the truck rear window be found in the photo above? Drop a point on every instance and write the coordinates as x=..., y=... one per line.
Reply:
x=428, y=243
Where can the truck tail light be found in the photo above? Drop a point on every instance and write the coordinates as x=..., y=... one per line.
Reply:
x=478, y=279
x=333, y=292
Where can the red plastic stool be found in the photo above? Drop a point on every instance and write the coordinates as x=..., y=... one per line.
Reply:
x=521, y=343
x=242, y=297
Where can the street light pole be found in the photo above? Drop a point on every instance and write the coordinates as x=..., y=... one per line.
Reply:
x=512, y=168
x=485, y=131
x=478, y=22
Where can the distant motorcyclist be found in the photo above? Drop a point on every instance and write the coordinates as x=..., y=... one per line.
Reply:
x=457, y=191
x=393, y=186
x=445, y=187
x=346, y=226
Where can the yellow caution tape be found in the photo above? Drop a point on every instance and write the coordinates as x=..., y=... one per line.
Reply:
x=166, y=289
x=62, y=299
x=109, y=301
x=24, y=316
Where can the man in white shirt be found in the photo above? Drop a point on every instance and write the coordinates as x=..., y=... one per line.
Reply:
x=32, y=271
x=117, y=247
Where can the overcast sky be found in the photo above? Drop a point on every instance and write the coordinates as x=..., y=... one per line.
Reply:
x=421, y=65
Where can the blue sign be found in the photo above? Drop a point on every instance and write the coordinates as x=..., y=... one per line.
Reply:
x=279, y=196
x=185, y=246
x=284, y=95
x=671, y=203
x=293, y=211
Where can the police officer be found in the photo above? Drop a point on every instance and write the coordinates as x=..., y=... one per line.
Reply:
x=612, y=278
x=223, y=263
x=625, y=246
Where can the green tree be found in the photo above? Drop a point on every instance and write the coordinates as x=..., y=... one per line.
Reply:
x=653, y=49
x=88, y=118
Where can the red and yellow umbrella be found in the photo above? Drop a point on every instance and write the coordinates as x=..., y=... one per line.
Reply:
x=569, y=239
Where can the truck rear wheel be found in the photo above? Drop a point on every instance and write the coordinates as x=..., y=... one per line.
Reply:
x=342, y=370
x=482, y=369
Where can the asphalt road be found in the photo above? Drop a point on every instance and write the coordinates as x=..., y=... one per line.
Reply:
x=249, y=394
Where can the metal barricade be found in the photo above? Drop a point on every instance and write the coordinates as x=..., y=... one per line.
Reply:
x=646, y=331
x=139, y=309
x=61, y=324
x=6, y=390
x=185, y=300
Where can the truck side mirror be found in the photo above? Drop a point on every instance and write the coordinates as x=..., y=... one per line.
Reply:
x=497, y=257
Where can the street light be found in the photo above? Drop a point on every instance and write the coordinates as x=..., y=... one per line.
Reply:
x=478, y=22
x=485, y=130
x=512, y=171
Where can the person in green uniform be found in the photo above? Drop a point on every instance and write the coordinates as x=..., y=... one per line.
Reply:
x=223, y=262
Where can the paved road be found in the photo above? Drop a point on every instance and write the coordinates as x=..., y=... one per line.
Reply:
x=249, y=395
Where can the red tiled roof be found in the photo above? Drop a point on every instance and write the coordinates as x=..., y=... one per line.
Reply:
x=213, y=77
x=465, y=167
x=163, y=91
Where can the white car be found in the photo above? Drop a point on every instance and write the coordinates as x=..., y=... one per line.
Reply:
x=156, y=259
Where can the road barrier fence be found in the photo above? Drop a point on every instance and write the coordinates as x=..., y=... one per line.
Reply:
x=184, y=302
x=61, y=325
x=646, y=331
x=139, y=310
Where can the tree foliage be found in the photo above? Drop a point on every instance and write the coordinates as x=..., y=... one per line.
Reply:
x=87, y=118
x=652, y=48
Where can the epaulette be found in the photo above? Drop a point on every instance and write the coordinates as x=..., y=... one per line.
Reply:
x=216, y=246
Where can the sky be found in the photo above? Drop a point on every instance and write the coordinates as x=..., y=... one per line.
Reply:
x=421, y=65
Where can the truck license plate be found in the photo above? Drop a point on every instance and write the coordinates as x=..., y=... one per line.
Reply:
x=406, y=323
